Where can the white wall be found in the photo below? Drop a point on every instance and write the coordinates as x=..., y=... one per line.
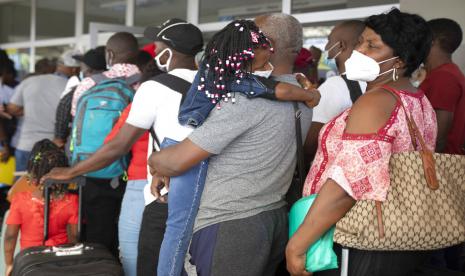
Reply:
x=430, y=9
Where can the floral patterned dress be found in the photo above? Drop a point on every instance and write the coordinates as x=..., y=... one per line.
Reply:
x=360, y=163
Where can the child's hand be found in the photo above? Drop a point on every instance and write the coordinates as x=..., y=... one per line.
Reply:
x=315, y=98
x=303, y=81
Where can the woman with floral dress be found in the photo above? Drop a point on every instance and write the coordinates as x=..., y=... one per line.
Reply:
x=352, y=161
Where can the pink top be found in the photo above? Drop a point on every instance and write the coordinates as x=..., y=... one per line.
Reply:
x=116, y=71
x=360, y=163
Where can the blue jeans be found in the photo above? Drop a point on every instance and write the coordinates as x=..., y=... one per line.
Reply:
x=21, y=157
x=130, y=219
x=196, y=106
x=183, y=204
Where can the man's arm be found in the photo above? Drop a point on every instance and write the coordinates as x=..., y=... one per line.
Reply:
x=16, y=104
x=444, y=119
x=15, y=110
x=215, y=134
x=107, y=154
x=177, y=159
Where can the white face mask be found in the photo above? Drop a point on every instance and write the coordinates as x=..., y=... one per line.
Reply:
x=360, y=67
x=265, y=73
x=164, y=67
x=331, y=62
x=416, y=83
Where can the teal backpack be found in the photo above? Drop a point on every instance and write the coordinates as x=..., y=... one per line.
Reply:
x=97, y=111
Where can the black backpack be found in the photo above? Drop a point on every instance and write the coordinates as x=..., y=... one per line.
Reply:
x=354, y=88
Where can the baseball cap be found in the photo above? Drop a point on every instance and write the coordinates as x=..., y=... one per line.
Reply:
x=179, y=35
x=67, y=58
x=94, y=58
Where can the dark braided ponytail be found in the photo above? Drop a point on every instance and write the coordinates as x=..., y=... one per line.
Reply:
x=228, y=57
x=45, y=156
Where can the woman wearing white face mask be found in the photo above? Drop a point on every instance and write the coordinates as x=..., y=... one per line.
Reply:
x=352, y=161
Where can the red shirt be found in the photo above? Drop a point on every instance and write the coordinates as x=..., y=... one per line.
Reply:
x=28, y=211
x=138, y=166
x=445, y=88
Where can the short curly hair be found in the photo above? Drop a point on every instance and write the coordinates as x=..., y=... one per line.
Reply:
x=407, y=34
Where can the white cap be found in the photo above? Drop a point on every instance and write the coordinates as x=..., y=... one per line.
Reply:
x=67, y=58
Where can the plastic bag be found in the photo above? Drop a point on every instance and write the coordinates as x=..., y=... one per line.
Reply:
x=320, y=255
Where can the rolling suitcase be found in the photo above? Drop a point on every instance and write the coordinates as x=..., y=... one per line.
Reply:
x=69, y=260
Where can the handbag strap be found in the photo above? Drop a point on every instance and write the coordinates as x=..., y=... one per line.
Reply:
x=299, y=145
x=412, y=127
x=429, y=165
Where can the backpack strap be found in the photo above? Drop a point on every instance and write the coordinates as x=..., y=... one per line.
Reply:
x=299, y=145
x=133, y=79
x=156, y=143
x=98, y=78
x=354, y=88
x=175, y=83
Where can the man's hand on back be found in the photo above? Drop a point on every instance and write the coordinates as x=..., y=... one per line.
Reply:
x=59, y=174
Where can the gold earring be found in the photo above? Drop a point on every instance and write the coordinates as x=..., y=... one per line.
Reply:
x=395, y=75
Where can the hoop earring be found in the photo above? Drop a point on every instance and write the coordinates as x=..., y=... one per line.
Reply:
x=395, y=76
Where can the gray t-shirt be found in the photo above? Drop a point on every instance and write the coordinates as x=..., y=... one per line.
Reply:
x=253, y=142
x=39, y=96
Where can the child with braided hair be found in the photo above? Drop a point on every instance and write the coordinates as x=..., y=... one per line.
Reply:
x=27, y=208
x=236, y=60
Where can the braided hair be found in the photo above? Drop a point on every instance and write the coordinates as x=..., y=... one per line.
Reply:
x=228, y=57
x=45, y=156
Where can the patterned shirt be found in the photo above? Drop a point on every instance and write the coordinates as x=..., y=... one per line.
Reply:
x=116, y=71
x=63, y=118
x=360, y=163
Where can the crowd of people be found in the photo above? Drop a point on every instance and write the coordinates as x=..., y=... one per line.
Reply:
x=190, y=166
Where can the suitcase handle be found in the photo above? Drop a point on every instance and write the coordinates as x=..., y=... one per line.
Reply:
x=80, y=181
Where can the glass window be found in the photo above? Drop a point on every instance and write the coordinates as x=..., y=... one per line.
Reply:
x=104, y=11
x=15, y=21
x=225, y=10
x=20, y=57
x=301, y=6
x=55, y=18
x=51, y=52
x=155, y=12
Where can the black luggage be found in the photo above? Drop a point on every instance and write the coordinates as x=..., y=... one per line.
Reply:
x=69, y=260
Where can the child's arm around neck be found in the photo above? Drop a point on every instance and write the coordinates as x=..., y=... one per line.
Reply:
x=308, y=94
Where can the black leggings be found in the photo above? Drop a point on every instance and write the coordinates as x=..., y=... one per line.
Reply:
x=379, y=263
x=151, y=235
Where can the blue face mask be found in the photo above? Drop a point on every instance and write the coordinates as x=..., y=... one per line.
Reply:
x=331, y=62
